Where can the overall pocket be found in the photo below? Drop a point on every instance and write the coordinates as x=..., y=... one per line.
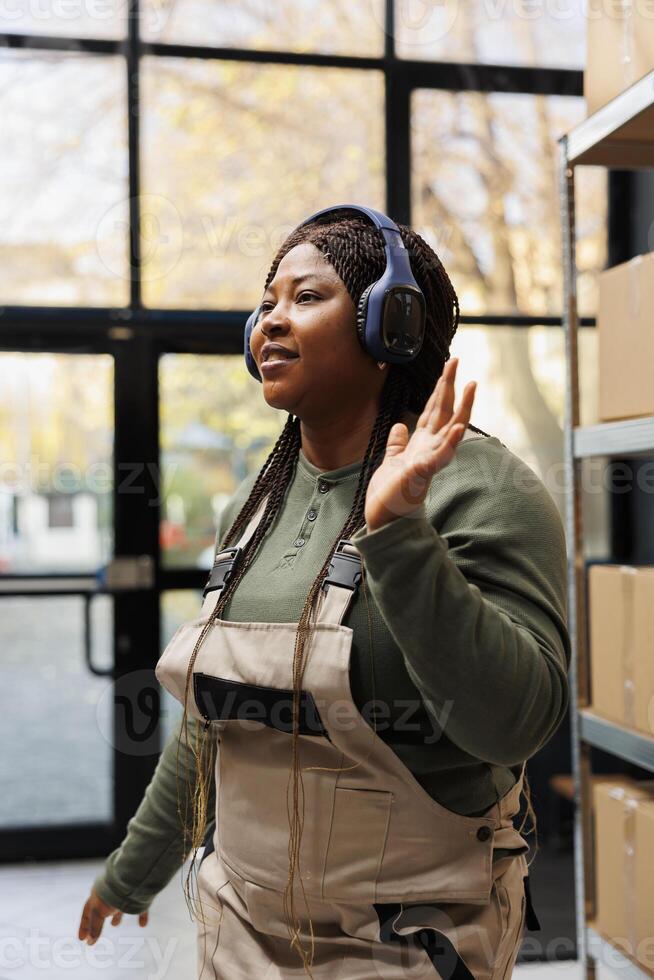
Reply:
x=357, y=839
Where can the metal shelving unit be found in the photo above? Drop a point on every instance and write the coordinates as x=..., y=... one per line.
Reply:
x=621, y=135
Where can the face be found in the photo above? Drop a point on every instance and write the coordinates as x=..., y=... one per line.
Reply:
x=308, y=310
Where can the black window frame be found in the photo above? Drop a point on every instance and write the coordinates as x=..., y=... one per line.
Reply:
x=137, y=336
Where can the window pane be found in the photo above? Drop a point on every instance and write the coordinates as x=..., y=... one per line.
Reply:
x=233, y=161
x=56, y=766
x=56, y=448
x=520, y=395
x=176, y=608
x=520, y=398
x=521, y=32
x=63, y=180
x=485, y=197
x=338, y=27
x=215, y=429
x=85, y=18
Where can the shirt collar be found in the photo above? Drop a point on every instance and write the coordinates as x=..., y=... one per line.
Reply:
x=334, y=476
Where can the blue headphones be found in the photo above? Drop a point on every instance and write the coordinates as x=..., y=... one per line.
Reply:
x=392, y=311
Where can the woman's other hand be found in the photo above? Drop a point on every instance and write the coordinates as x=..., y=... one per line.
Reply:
x=95, y=912
x=400, y=483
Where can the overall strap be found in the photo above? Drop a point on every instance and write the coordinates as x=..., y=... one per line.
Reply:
x=338, y=590
x=225, y=560
x=340, y=586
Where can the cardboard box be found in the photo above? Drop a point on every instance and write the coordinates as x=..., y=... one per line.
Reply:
x=621, y=844
x=645, y=884
x=619, y=47
x=625, y=325
x=606, y=629
x=621, y=644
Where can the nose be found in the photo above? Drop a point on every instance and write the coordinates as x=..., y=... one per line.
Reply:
x=274, y=321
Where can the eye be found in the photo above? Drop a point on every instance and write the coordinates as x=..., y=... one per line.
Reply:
x=267, y=306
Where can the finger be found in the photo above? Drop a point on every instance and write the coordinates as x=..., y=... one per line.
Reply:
x=143, y=919
x=436, y=395
x=398, y=438
x=96, y=921
x=116, y=917
x=440, y=454
x=441, y=411
x=464, y=410
x=444, y=452
x=83, y=922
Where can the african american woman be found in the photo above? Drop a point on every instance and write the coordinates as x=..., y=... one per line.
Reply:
x=382, y=645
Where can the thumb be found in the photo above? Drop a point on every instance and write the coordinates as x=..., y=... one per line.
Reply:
x=398, y=438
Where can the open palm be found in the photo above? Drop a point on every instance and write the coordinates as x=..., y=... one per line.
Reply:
x=400, y=483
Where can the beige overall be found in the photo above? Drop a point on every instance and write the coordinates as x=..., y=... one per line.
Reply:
x=398, y=886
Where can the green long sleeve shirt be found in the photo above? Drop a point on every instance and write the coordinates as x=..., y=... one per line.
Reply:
x=467, y=601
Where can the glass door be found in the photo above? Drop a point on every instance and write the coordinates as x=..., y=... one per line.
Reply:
x=79, y=638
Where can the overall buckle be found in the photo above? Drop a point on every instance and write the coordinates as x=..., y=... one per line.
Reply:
x=223, y=569
x=344, y=569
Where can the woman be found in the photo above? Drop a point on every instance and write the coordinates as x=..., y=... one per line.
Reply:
x=374, y=663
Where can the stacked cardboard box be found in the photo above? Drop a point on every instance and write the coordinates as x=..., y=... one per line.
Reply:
x=619, y=47
x=621, y=644
x=625, y=326
x=624, y=856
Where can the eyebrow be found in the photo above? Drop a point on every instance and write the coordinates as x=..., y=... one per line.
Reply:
x=307, y=275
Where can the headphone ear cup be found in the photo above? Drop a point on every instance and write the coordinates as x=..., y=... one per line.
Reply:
x=362, y=315
x=250, y=362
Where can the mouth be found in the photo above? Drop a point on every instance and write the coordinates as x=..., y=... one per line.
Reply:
x=272, y=365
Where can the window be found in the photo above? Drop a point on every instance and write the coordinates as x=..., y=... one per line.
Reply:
x=63, y=179
x=60, y=511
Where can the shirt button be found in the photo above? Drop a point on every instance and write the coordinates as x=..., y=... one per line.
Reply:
x=323, y=487
x=298, y=542
x=311, y=515
x=484, y=833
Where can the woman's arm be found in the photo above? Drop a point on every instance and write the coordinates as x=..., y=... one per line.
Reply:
x=153, y=848
x=472, y=587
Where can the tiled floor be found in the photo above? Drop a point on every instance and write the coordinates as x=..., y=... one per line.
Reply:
x=40, y=908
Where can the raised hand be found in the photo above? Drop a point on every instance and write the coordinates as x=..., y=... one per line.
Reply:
x=400, y=483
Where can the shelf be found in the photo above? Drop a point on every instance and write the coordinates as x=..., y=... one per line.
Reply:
x=620, y=133
x=628, y=437
x=611, y=737
x=603, y=951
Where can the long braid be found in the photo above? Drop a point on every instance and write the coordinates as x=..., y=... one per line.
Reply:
x=356, y=251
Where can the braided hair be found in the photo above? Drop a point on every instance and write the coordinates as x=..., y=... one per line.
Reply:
x=356, y=251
